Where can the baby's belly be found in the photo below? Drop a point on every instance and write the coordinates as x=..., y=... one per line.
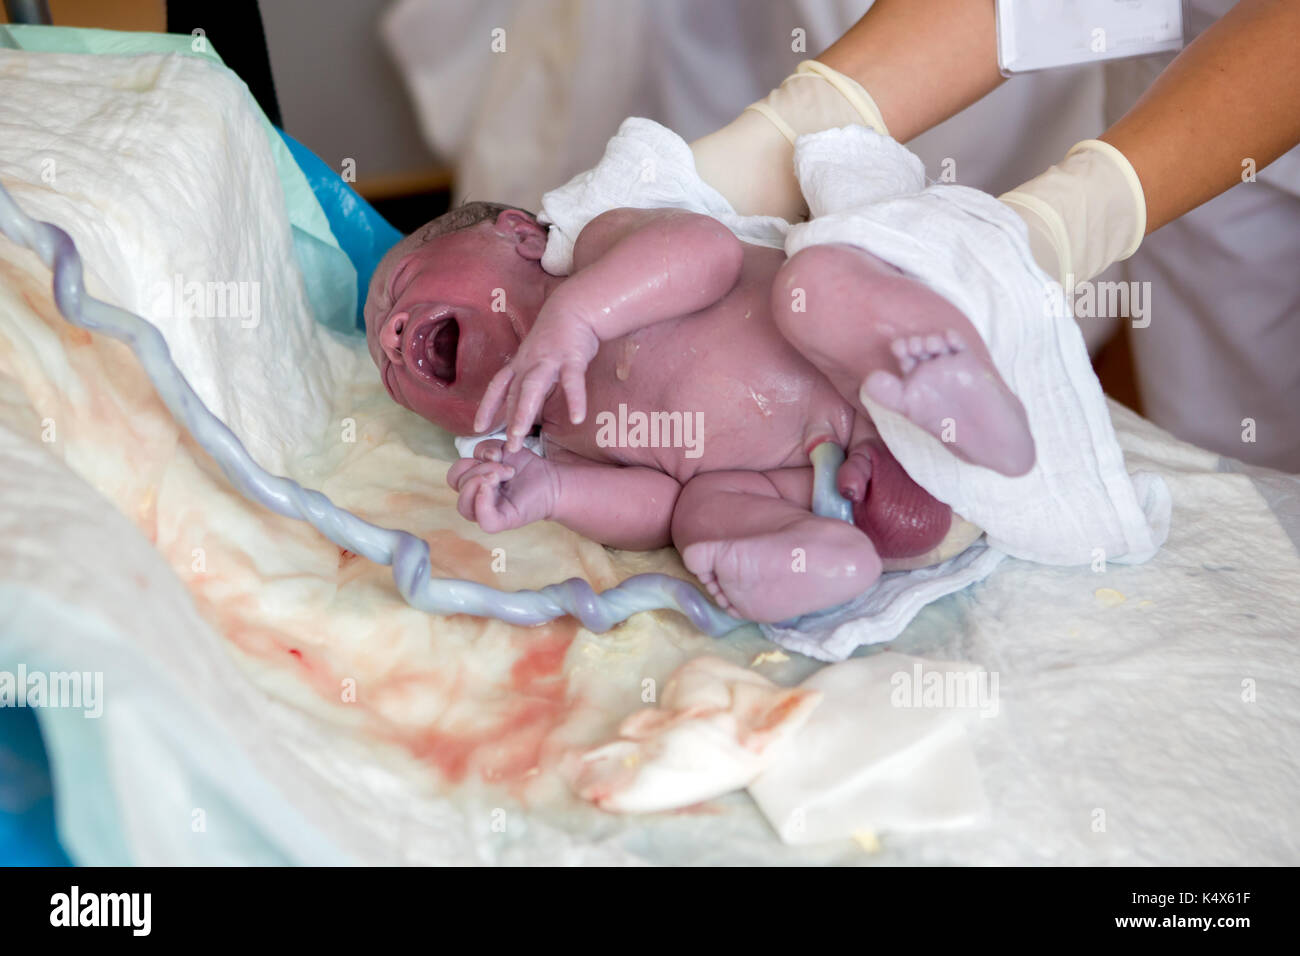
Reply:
x=690, y=414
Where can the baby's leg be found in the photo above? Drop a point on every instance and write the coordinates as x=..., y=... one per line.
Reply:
x=761, y=555
x=875, y=332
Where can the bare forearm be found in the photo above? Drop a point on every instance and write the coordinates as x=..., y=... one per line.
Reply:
x=629, y=508
x=922, y=61
x=1233, y=95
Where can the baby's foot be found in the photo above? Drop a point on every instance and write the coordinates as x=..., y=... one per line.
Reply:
x=958, y=397
x=809, y=566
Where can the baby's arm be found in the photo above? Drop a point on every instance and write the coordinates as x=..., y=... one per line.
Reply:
x=634, y=267
x=622, y=507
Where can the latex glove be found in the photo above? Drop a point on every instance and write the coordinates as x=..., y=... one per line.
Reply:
x=751, y=160
x=1084, y=213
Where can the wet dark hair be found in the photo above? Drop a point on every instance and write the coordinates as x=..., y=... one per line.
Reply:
x=464, y=216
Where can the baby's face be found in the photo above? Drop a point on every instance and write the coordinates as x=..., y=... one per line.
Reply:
x=443, y=315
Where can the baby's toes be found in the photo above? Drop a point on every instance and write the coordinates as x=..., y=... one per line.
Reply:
x=710, y=581
x=909, y=350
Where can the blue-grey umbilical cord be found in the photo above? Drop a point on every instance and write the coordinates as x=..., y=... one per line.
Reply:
x=407, y=554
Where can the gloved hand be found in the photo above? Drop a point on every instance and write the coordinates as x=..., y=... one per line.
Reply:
x=1084, y=213
x=751, y=160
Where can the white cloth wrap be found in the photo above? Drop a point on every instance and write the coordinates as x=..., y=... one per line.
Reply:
x=1078, y=499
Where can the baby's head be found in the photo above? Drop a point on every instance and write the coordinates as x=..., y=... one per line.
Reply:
x=449, y=305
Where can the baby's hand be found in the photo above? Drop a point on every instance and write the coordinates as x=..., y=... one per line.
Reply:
x=559, y=346
x=502, y=490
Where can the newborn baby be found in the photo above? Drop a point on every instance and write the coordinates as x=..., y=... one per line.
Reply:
x=667, y=311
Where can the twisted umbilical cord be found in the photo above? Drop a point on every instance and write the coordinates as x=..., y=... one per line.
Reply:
x=407, y=554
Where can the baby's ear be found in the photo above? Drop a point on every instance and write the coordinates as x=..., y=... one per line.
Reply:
x=528, y=234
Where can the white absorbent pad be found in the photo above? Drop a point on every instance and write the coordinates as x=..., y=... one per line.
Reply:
x=174, y=226
x=268, y=698
x=885, y=750
x=1077, y=505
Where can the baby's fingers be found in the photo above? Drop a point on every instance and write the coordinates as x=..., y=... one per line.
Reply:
x=480, y=477
x=456, y=473
x=492, y=397
x=487, y=509
x=467, y=468
x=490, y=449
x=531, y=393
x=574, y=381
x=465, y=500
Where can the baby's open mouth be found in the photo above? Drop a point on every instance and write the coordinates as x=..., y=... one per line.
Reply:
x=431, y=350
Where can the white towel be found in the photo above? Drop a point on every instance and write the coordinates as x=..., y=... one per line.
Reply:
x=1077, y=505
x=645, y=166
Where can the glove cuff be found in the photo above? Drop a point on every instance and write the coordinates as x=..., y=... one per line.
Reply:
x=816, y=97
x=1118, y=165
x=851, y=90
x=1084, y=213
